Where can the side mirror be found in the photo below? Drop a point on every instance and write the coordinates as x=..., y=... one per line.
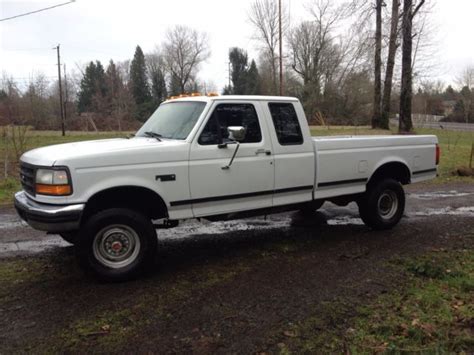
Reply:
x=236, y=133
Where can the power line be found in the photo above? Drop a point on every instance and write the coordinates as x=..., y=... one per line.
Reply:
x=36, y=11
x=25, y=49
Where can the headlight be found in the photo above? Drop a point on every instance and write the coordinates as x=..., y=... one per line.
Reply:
x=53, y=182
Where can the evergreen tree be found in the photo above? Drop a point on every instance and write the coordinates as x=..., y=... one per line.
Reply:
x=158, y=87
x=92, y=88
x=238, y=60
x=175, y=86
x=139, y=85
x=245, y=79
x=87, y=89
x=113, y=81
x=114, y=87
x=227, y=90
x=252, y=80
x=100, y=85
x=449, y=93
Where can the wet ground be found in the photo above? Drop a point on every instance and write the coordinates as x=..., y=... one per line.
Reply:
x=16, y=238
x=229, y=287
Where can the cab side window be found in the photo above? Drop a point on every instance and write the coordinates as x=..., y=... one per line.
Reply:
x=285, y=121
x=225, y=115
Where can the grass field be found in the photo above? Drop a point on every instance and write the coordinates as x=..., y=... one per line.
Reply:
x=455, y=148
x=430, y=314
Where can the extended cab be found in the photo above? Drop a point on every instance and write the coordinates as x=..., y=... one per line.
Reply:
x=216, y=158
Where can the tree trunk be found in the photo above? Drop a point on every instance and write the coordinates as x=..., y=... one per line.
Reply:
x=378, y=66
x=392, y=51
x=405, y=123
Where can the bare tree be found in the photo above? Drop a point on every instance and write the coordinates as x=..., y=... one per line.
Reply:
x=184, y=50
x=466, y=83
x=406, y=92
x=466, y=78
x=392, y=50
x=35, y=101
x=425, y=44
x=264, y=16
x=322, y=57
x=307, y=47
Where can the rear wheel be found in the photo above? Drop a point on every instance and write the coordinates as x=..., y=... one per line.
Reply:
x=116, y=244
x=383, y=204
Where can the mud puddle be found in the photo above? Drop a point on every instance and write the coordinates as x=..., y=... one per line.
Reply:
x=438, y=194
x=448, y=211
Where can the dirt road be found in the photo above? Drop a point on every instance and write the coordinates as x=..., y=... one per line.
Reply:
x=228, y=287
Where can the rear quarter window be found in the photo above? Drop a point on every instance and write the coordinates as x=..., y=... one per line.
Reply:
x=285, y=121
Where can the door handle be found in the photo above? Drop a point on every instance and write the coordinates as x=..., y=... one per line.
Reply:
x=263, y=151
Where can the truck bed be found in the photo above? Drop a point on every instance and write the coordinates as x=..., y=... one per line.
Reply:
x=344, y=163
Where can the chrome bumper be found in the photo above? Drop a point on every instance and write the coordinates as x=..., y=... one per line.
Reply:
x=49, y=218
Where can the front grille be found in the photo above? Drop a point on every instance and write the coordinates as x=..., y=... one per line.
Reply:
x=28, y=177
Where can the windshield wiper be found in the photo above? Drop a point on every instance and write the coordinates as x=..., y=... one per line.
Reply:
x=154, y=135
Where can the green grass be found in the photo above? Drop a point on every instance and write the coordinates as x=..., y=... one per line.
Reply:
x=455, y=146
x=432, y=313
x=8, y=187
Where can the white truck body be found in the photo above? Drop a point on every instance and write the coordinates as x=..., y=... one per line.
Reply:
x=191, y=179
x=323, y=167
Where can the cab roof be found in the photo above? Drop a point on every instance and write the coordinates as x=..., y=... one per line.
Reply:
x=204, y=98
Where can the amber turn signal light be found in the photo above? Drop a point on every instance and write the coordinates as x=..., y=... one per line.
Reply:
x=55, y=190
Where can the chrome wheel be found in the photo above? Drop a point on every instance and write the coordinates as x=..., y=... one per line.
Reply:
x=116, y=246
x=387, y=204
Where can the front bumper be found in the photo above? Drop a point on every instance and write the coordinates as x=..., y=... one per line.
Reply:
x=46, y=217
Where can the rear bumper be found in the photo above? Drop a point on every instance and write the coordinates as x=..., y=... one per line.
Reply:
x=49, y=218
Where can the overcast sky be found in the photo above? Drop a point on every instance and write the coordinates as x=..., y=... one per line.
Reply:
x=92, y=29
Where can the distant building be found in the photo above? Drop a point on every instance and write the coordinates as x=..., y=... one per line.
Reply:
x=448, y=107
x=420, y=118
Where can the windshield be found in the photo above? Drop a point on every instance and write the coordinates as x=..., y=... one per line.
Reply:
x=173, y=120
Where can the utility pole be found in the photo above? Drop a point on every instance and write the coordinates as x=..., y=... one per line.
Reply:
x=281, y=49
x=228, y=69
x=65, y=94
x=60, y=91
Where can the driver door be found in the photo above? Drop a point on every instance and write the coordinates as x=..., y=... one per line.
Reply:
x=248, y=183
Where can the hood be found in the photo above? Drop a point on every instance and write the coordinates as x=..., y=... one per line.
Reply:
x=61, y=154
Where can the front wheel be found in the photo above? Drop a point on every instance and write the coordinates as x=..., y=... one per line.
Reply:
x=116, y=244
x=382, y=205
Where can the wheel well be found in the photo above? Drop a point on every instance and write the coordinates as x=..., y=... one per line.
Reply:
x=138, y=198
x=394, y=170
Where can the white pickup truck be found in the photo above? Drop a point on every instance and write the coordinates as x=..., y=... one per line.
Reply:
x=216, y=157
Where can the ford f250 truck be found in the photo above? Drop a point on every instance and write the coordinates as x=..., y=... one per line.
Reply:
x=216, y=158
